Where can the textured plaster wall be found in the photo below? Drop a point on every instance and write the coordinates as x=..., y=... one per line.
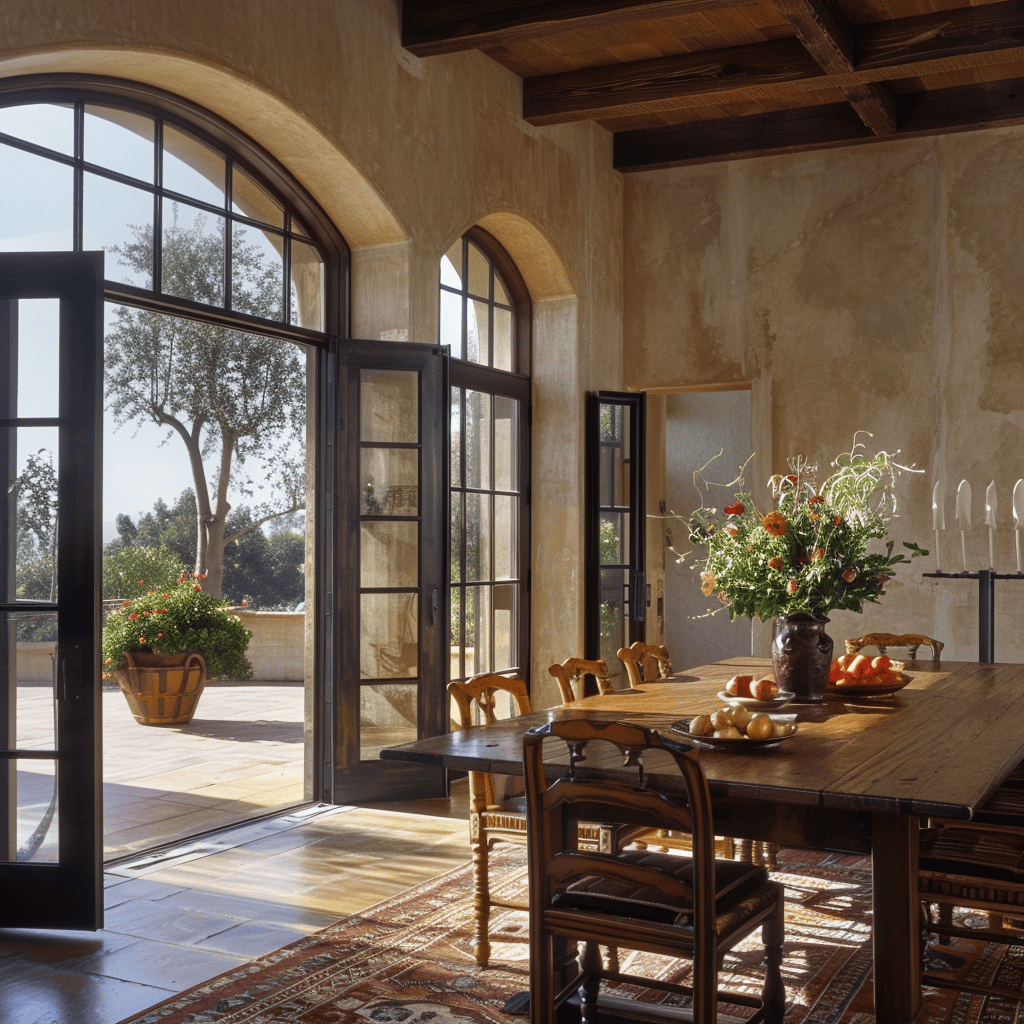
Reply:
x=873, y=289
x=404, y=154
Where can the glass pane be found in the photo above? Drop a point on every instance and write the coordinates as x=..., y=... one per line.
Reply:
x=476, y=319
x=456, y=536
x=456, y=436
x=500, y=291
x=307, y=287
x=32, y=451
x=613, y=612
x=251, y=200
x=478, y=537
x=478, y=439
x=389, y=555
x=387, y=715
x=502, y=358
x=479, y=273
x=388, y=635
x=505, y=633
x=389, y=482
x=33, y=637
x=38, y=359
x=121, y=141
x=506, y=441
x=505, y=535
x=192, y=168
x=478, y=630
x=44, y=124
x=193, y=254
x=36, y=214
x=257, y=272
x=119, y=219
x=32, y=785
x=389, y=406
x=450, y=331
x=611, y=550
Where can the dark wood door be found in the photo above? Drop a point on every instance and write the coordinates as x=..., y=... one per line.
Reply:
x=51, y=335
x=614, y=553
x=391, y=596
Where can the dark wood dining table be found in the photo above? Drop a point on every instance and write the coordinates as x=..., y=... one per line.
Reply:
x=858, y=776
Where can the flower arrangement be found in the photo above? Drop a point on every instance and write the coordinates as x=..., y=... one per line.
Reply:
x=183, y=618
x=810, y=553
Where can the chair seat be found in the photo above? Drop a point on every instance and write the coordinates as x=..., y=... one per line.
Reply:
x=1004, y=807
x=977, y=855
x=733, y=881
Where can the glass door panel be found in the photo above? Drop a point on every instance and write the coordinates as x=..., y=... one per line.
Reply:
x=389, y=664
x=616, y=592
x=50, y=407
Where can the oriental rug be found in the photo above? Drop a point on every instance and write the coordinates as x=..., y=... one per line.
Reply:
x=409, y=960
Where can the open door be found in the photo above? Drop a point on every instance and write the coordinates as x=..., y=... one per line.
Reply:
x=615, y=608
x=50, y=412
x=391, y=599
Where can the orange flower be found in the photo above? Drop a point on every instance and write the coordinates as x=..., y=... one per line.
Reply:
x=817, y=554
x=245, y=604
x=775, y=563
x=133, y=616
x=159, y=636
x=147, y=614
x=125, y=604
x=722, y=597
x=732, y=531
x=837, y=521
x=775, y=523
x=849, y=575
x=197, y=587
x=791, y=587
x=150, y=593
x=707, y=583
x=142, y=639
x=816, y=500
x=165, y=595
x=813, y=516
x=737, y=508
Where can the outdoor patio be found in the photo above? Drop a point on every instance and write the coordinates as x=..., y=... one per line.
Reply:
x=241, y=756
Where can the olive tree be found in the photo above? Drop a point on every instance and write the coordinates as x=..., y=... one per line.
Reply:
x=229, y=397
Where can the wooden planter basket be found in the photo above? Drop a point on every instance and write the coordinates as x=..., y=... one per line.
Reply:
x=162, y=690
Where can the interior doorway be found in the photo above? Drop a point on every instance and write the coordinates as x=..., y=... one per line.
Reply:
x=706, y=433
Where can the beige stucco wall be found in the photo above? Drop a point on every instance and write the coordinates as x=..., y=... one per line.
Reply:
x=404, y=154
x=873, y=289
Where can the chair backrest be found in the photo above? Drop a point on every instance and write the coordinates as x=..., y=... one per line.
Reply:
x=552, y=807
x=645, y=662
x=571, y=676
x=477, y=701
x=885, y=640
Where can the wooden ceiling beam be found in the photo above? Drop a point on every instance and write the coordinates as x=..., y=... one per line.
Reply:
x=826, y=32
x=908, y=44
x=923, y=114
x=432, y=27
x=593, y=92
x=875, y=105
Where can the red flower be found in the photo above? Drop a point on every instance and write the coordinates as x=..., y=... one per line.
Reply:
x=837, y=521
x=147, y=614
x=125, y=604
x=159, y=636
x=849, y=575
x=791, y=587
x=775, y=563
x=245, y=604
x=140, y=583
x=775, y=523
x=142, y=639
x=817, y=499
x=735, y=509
x=133, y=616
x=197, y=587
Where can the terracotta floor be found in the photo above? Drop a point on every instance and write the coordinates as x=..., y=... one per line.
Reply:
x=179, y=916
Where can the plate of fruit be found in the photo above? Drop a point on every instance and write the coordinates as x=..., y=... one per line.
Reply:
x=755, y=694
x=737, y=728
x=856, y=675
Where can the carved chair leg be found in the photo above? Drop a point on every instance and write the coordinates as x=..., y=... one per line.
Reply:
x=590, y=981
x=745, y=850
x=481, y=904
x=773, y=994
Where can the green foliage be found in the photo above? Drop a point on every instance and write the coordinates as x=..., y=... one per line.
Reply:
x=183, y=618
x=132, y=571
x=810, y=554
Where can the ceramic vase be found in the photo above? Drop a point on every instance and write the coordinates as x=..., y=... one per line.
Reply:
x=801, y=656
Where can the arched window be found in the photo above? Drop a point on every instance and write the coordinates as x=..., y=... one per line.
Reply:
x=223, y=286
x=485, y=319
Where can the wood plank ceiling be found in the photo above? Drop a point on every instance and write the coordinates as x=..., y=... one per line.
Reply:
x=692, y=81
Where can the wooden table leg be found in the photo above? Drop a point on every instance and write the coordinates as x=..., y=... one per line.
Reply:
x=896, y=926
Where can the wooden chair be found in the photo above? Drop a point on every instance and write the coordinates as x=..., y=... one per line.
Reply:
x=497, y=811
x=694, y=907
x=571, y=677
x=645, y=662
x=963, y=864
x=883, y=641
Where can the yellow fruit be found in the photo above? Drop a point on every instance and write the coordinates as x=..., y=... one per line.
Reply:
x=760, y=727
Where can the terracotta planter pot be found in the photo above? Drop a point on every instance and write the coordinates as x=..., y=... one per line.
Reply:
x=162, y=690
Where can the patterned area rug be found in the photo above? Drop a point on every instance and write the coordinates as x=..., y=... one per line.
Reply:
x=409, y=960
